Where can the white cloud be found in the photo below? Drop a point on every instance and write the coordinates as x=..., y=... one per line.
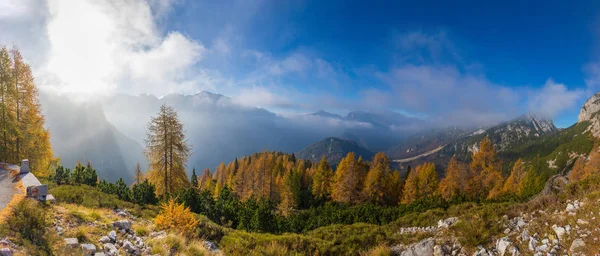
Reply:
x=105, y=46
x=553, y=98
x=260, y=97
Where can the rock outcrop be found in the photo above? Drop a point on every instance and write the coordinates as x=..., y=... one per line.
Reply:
x=591, y=107
x=589, y=113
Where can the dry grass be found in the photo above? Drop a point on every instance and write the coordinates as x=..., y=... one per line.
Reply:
x=178, y=245
x=381, y=250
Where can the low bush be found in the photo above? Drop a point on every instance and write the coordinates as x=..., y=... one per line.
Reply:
x=174, y=216
x=28, y=222
x=92, y=197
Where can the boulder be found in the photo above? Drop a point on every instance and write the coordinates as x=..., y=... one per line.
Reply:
x=422, y=248
x=505, y=247
x=577, y=245
x=110, y=249
x=5, y=252
x=88, y=249
x=570, y=208
x=71, y=243
x=104, y=239
x=112, y=236
x=99, y=254
x=59, y=230
x=122, y=225
x=128, y=246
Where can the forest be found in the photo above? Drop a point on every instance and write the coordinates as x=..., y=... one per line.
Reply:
x=22, y=132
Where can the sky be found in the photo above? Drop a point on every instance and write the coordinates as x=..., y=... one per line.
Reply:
x=452, y=62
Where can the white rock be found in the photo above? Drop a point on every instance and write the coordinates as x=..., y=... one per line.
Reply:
x=110, y=249
x=570, y=208
x=112, y=236
x=504, y=245
x=128, y=246
x=560, y=231
x=423, y=247
x=532, y=244
x=122, y=225
x=447, y=222
x=104, y=239
x=542, y=248
x=582, y=222
x=88, y=249
x=71, y=243
x=576, y=245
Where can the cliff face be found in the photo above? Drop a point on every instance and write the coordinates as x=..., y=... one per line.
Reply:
x=591, y=106
x=589, y=113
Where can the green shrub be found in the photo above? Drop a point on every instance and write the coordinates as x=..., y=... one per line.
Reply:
x=144, y=193
x=28, y=222
x=479, y=226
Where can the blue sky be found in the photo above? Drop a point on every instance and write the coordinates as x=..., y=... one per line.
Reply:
x=511, y=43
x=454, y=62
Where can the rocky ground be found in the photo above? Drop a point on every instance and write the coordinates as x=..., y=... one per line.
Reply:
x=565, y=229
x=104, y=232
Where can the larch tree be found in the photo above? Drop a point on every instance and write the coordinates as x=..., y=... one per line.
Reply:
x=290, y=193
x=346, y=181
x=393, y=188
x=22, y=132
x=410, y=192
x=484, y=170
x=427, y=181
x=453, y=184
x=511, y=185
x=167, y=151
x=375, y=187
x=139, y=175
x=205, y=180
x=530, y=184
x=321, y=184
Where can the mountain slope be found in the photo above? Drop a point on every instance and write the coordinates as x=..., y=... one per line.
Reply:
x=334, y=149
x=511, y=134
x=81, y=133
x=427, y=141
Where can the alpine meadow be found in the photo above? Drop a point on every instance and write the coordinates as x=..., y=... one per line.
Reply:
x=263, y=127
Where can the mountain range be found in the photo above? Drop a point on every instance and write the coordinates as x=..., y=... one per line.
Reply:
x=110, y=132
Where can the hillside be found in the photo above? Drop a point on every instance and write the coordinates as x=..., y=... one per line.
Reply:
x=334, y=149
x=81, y=133
x=524, y=130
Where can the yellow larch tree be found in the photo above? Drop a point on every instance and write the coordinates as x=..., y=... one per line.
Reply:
x=375, y=187
x=454, y=183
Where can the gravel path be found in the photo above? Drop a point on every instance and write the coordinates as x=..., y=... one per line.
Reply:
x=7, y=188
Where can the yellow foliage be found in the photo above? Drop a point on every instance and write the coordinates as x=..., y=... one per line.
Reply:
x=420, y=183
x=454, y=182
x=511, y=186
x=174, y=216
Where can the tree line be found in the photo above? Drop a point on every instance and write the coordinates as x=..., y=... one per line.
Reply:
x=22, y=132
x=276, y=192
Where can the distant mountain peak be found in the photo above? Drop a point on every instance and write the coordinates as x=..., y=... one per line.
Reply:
x=324, y=113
